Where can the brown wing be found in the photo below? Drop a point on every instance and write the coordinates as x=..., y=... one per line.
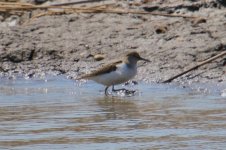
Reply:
x=105, y=69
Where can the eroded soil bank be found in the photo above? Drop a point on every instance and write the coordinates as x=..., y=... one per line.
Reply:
x=71, y=43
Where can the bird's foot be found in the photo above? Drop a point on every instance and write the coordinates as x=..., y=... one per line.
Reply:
x=128, y=92
x=125, y=90
x=116, y=90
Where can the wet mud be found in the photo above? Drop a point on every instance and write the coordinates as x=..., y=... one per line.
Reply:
x=73, y=44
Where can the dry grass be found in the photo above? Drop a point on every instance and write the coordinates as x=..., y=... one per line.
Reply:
x=59, y=10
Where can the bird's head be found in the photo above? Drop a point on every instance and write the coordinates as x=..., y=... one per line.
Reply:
x=134, y=57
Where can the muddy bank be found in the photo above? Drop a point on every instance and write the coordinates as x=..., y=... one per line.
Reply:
x=67, y=44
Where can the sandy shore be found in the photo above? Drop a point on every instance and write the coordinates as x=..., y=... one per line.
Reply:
x=71, y=43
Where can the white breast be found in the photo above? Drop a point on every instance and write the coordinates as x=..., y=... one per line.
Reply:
x=122, y=74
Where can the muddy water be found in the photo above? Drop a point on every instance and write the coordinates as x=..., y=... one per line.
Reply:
x=58, y=114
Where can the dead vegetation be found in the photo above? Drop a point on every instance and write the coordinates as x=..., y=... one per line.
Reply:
x=14, y=8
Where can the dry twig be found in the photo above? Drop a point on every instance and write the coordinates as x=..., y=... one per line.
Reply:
x=195, y=67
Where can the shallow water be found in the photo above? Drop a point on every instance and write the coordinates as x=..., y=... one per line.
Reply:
x=59, y=113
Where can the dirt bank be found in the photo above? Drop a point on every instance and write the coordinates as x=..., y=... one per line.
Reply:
x=67, y=44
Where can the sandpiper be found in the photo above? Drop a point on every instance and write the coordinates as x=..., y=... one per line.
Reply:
x=117, y=72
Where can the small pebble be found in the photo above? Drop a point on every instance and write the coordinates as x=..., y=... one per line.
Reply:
x=99, y=57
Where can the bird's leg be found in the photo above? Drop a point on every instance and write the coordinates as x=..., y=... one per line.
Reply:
x=123, y=89
x=106, y=91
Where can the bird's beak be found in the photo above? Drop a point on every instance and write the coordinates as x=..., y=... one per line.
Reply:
x=144, y=59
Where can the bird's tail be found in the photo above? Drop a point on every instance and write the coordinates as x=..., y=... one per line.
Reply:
x=83, y=77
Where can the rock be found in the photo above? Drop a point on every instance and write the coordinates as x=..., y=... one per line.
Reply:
x=197, y=21
x=99, y=57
